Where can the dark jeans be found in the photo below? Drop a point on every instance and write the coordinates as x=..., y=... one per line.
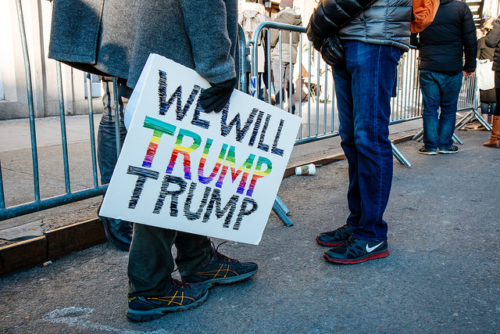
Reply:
x=106, y=136
x=488, y=108
x=363, y=87
x=439, y=91
x=151, y=263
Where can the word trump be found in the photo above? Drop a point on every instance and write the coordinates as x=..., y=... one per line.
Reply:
x=226, y=157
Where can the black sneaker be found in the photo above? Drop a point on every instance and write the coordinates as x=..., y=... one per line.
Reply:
x=424, y=150
x=450, y=150
x=222, y=270
x=357, y=251
x=335, y=238
x=180, y=297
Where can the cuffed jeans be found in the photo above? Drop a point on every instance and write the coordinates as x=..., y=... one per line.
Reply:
x=363, y=87
x=439, y=90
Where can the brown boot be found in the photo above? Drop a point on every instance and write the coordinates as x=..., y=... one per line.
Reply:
x=495, y=134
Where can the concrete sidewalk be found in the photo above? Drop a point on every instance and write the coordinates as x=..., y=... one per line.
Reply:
x=442, y=275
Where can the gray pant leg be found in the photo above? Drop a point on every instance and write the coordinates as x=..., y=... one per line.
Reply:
x=151, y=263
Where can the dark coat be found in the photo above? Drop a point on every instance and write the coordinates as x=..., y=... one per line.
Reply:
x=116, y=37
x=451, y=35
x=485, y=52
x=383, y=22
x=493, y=41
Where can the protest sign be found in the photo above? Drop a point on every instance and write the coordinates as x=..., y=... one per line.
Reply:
x=214, y=174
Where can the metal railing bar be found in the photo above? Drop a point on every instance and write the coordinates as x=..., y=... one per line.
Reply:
x=29, y=88
x=62, y=119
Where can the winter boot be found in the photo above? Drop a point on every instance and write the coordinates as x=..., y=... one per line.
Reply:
x=495, y=134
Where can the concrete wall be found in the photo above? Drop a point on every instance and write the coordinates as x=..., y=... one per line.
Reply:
x=14, y=100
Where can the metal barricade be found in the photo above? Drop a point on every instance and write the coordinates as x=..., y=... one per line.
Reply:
x=69, y=196
x=318, y=107
x=39, y=202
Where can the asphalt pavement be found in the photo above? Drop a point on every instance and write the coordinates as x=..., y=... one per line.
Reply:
x=442, y=275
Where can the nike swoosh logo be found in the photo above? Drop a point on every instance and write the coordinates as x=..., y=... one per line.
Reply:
x=371, y=249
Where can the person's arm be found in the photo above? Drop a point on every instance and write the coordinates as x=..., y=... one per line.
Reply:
x=470, y=42
x=493, y=37
x=331, y=15
x=205, y=22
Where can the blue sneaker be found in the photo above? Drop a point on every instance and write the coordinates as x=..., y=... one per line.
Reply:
x=181, y=296
x=336, y=237
x=427, y=151
x=357, y=251
x=222, y=270
x=450, y=150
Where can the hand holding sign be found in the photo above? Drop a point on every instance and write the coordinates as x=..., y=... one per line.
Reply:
x=217, y=96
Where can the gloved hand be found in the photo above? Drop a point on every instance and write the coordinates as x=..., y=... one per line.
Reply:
x=216, y=97
x=332, y=51
x=316, y=40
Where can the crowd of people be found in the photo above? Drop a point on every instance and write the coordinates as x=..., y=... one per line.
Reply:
x=362, y=40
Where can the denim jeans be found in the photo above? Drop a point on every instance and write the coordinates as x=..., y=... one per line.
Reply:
x=488, y=108
x=439, y=91
x=363, y=86
x=106, y=136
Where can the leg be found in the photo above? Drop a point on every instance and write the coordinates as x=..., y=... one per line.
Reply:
x=371, y=69
x=431, y=101
x=118, y=232
x=343, y=82
x=371, y=64
x=150, y=263
x=495, y=131
x=152, y=291
x=449, y=89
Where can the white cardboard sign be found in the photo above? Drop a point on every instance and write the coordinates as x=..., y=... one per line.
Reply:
x=213, y=174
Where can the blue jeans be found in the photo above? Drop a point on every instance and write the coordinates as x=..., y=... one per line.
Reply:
x=106, y=136
x=363, y=87
x=488, y=108
x=439, y=90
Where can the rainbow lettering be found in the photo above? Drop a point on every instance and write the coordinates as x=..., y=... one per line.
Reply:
x=185, y=151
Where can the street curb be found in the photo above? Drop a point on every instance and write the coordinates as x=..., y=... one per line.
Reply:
x=65, y=240
x=52, y=245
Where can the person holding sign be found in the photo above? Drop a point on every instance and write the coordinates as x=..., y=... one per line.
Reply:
x=201, y=35
x=363, y=41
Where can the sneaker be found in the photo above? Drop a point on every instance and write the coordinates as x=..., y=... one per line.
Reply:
x=357, y=251
x=424, y=150
x=180, y=297
x=222, y=270
x=336, y=237
x=452, y=149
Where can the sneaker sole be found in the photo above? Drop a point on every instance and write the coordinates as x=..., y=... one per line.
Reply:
x=148, y=315
x=330, y=244
x=448, y=152
x=428, y=153
x=360, y=260
x=228, y=280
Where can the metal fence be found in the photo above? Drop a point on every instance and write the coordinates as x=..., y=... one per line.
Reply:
x=312, y=98
x=310, y=74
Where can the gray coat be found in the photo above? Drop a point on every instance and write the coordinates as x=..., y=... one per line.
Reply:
x=115, y=38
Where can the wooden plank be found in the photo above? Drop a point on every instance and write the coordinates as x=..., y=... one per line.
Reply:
x=23, y=254
x=75, y=237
